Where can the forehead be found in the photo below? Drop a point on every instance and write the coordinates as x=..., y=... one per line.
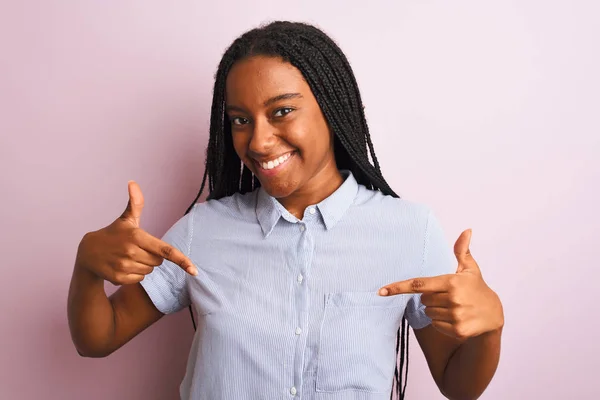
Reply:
x=256, y=79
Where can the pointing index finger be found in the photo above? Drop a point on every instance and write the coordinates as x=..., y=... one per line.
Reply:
x=166, y=251
x=436, y=284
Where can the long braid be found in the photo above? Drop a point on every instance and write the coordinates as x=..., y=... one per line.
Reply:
x=329, y=76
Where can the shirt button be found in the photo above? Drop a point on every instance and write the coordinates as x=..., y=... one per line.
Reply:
x=312, y=210
x=298, y=331
x=300, y=278
x=302, y=228
x=293, y=391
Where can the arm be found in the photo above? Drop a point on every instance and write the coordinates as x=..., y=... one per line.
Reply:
x=122, y=254
x=462, y=342
x=461, y=369
x=100, y=325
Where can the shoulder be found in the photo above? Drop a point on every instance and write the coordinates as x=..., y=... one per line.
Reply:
x=387, y=208
x=237, y=208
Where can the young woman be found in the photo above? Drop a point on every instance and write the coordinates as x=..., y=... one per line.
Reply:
x=290, y=263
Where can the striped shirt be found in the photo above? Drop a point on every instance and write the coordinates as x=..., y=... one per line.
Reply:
x=288, y=308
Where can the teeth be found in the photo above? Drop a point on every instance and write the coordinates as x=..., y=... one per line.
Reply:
x=275, y=163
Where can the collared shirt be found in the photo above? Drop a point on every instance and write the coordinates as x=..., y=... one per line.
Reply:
x=288, y=308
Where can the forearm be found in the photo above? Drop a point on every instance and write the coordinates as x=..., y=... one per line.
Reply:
x=90, y=314
x=472, y=366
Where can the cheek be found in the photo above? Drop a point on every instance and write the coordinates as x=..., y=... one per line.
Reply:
x=311, y=138
x=239, y=144
x=320, y=135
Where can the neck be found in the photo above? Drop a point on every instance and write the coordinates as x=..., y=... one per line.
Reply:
x=314, y=191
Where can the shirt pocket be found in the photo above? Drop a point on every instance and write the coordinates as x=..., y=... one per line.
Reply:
x=357, y=342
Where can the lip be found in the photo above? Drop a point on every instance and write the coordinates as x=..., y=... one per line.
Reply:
x=277, y=169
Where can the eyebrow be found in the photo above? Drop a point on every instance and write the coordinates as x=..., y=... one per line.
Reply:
x=275, y=99
x=280, y=97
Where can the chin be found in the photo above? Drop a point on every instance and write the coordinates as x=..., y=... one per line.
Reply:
x=280, y=189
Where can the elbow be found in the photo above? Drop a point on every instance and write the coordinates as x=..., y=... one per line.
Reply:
x=89, y=351
x=89, y=354
x=90, y=346
x=455, y=393
x=461, y=396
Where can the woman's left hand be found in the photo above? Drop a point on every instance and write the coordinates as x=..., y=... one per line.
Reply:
x=460, y=305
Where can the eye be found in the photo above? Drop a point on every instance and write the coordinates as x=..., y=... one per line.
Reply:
x=282, y=112
x=239, y=121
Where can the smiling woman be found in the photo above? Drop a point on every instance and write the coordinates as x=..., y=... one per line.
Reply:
x=289, y=262
x=275, y=116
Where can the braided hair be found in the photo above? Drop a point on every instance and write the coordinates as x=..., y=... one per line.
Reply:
x=329, y=76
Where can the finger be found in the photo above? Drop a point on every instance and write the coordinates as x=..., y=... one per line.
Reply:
x=454, y=330
x=147, y=258
x=133, y=212
x=461, y=247
x=436, y=299
x=444, y=326
x=463, y=253
x=166, y=251
x=132, y=278
x=439, y=314
x=417, y=285
x=137, y=268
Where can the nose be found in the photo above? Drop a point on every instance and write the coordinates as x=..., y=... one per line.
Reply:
x=263, y=137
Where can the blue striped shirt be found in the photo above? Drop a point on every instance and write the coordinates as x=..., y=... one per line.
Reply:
x=288, y=308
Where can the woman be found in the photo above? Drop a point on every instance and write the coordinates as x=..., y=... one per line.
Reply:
x=289, y=264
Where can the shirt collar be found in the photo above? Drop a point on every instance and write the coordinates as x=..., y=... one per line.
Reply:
x=332, y=209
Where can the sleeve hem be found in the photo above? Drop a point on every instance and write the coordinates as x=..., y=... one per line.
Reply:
x=158, y=299
x=420, y=325
x=418, y=319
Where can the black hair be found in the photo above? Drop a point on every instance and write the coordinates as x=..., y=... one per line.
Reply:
x=329, y=76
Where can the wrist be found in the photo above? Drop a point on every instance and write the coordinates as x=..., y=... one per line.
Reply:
x=85, y=275
x=81, y=269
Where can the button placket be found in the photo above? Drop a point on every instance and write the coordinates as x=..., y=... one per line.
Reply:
x=305, y=247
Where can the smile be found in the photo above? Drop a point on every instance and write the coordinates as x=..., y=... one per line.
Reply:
x=268, y=165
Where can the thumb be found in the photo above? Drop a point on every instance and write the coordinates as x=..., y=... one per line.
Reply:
x=133, y=212
x=462, y=251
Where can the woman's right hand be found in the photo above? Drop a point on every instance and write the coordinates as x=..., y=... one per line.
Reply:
x=123, y=253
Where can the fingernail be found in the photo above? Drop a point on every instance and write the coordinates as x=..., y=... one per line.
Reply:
x=383, y=292
x=192, y=271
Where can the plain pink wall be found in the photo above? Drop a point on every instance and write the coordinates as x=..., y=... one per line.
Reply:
x=486, y=111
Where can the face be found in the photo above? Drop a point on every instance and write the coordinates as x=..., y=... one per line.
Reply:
x=278, y=129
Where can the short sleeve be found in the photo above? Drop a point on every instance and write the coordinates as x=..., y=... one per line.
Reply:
x=438, y=259
x=166, y=284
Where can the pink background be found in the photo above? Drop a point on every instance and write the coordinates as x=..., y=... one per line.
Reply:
x=486, y=111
